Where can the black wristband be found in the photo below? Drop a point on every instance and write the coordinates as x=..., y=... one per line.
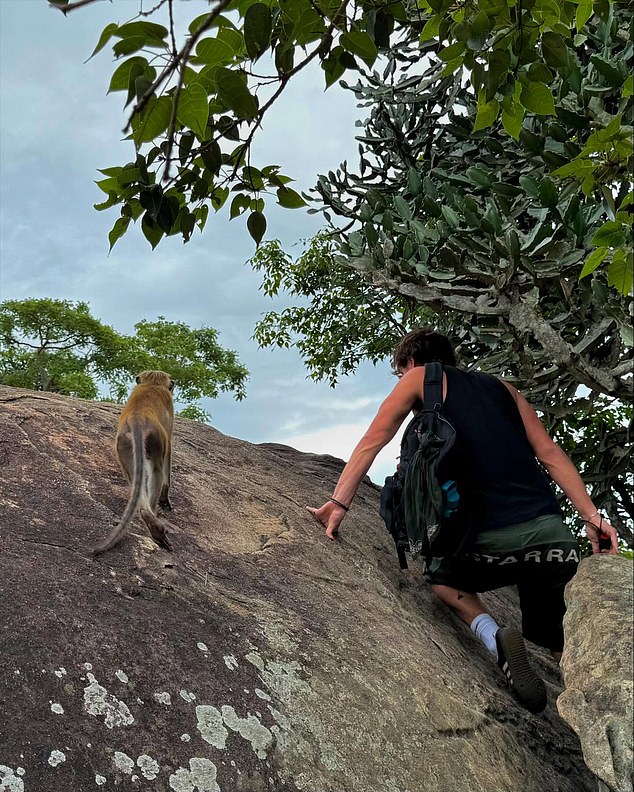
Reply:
x=339, y=503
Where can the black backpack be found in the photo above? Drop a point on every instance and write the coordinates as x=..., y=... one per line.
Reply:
x=421, y=509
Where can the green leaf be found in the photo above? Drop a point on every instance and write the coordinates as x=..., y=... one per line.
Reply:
x=128, y=45
x=452, y=52
x=289, y=199
x=530, y=185
x=554, y=49
x=621, y=272
x=151, y=199
x=628, y=87
x=233, y=91
x=487, y=112
x=479, y=32
x=142, y=85
x=167, y=213
x=431, y=28
x=402, y=207
x=584, y=11
x=151, y=231
x=608, y=70
x=193, y=109
x=359, y=43
x=154, y=120
x=196, y=24
x=539, y=72
x=256, y=225
x=548, y=194
x=120, y=80
x=118, y=230
x=592, y=262
x=450, y=216
x=414, y=182
x=212, y=157
x=611, y=234
x=201, y=213
x=579, y=168
x=185, y=146
x=213, y=51
x=513, y=120
x=149, y=30
x=238, y=205
x=258, y=24
x=537, y=98
x=106, y=34
x=478, y=176
x=112, y=200
x=284, y=57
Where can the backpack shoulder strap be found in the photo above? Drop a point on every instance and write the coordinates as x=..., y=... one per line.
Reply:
x=433, y=386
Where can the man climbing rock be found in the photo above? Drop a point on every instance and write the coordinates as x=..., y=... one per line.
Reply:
x=517, y=534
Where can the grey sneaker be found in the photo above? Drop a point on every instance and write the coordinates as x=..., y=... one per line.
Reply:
x=513, y=660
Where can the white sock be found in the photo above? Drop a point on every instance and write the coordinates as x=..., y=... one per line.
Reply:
x=485, y=628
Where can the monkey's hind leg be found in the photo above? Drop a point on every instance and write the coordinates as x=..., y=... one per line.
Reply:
x=156, y=527
x=164, y=501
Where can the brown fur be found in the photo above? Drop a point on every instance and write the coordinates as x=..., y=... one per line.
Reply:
x=144, y=451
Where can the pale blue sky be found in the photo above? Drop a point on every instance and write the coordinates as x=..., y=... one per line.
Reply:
x=57, y=126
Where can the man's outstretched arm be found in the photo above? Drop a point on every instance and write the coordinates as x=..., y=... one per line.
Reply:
x=564, y=473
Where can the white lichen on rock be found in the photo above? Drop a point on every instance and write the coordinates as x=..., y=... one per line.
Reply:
x=57, y=709
x=123, y=762
x=210, y=726
x=61, y=672
x=187, y=696
x=230, y=662
x=9, y=782
x=185, y=738
x=261, y=694
x=202, y=646
x=201, y=777
x=149, y=767
x=122, y=676
x=100, y=780
x=251, y=730
x=97, y=701
x=163, y=698
x=56, y=758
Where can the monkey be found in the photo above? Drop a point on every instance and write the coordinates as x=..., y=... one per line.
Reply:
x=144, y=451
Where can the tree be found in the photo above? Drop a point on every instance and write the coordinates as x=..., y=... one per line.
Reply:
x=57, y=346
x=197, y=106
x=343, y=319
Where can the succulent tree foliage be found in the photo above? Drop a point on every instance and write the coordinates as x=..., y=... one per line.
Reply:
x=473, y=225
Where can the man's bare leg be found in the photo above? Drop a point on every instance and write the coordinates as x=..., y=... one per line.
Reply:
x=467, y=606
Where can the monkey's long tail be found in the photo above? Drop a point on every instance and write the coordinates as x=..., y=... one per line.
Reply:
x=135, y=495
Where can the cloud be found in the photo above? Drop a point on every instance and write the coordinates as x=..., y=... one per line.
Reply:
x=339, y=441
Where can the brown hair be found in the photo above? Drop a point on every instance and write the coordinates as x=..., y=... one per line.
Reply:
x=424, y=345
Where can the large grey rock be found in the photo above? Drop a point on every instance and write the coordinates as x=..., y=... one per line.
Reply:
x=597, y=667
x=258, y=657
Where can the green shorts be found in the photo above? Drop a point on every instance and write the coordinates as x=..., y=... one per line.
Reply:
x=539, y=557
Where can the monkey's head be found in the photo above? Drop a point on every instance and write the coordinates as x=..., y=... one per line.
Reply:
x=159, y=378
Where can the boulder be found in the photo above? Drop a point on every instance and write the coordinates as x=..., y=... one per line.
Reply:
x=258, y=656
x=597, y=667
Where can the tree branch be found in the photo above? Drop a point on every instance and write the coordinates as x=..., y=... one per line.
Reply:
x=71, y=6
x=171, y=67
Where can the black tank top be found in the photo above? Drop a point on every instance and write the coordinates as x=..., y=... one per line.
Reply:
x=499, y=479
